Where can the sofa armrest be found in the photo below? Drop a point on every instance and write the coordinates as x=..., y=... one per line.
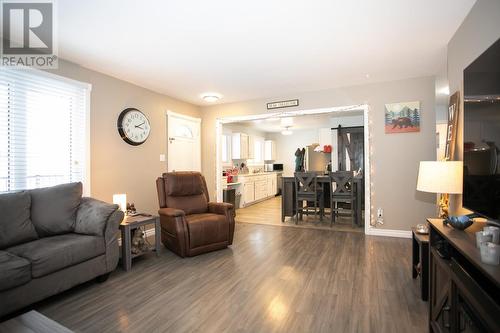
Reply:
x=220, y=208
x=95, y=217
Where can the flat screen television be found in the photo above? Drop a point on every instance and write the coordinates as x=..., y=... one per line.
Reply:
x=481, y=189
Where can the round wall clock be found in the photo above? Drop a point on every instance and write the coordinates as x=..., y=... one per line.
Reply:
x=133, y=126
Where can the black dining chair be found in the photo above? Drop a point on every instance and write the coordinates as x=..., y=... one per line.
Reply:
x=307, y=189
x=342, y=193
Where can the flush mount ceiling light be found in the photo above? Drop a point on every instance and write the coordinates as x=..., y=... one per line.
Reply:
x=287, y=131
x=211, y=97
x=287, y=122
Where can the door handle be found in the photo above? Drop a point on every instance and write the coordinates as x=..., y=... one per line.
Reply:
x=446, y=323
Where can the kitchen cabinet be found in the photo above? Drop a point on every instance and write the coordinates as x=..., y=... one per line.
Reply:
x=257, y=187
x=240, y=146
x=248, y=192
x=272, y=185
x=261, y=189
x=269, y=150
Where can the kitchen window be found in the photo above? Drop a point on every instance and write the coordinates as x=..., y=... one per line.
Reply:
x=43, y=130
x=258, y=152
x=226, y=149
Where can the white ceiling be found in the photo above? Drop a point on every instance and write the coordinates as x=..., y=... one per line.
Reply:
x=260, y=48
x=304, y=122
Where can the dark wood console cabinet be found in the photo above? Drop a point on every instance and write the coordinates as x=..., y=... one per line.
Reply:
x=464, y=293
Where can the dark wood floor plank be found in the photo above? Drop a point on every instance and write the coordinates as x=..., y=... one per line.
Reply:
x=272, y=279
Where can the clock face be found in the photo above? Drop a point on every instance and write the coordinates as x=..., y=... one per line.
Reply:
x=133, y=126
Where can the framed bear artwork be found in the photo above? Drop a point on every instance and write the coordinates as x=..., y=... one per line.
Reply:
x=402, y=117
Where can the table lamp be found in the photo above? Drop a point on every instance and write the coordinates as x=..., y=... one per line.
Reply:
x=443, y=177
x=121, y=200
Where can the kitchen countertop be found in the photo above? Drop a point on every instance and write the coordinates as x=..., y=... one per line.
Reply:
x=258, y=173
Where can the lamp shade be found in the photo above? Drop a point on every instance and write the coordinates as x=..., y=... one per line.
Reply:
x=120, y=200
x=440, y=177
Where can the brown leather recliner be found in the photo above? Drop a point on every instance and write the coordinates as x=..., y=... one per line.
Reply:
x=190, y=224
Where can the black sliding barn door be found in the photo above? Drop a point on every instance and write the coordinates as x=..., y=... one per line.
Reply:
x=351, y=143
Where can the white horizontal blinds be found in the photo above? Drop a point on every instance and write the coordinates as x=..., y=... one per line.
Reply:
x=42, y=130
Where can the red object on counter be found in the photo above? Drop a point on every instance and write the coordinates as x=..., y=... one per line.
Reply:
x=327, y=148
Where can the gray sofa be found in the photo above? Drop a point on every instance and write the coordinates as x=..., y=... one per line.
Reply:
x=52, y=239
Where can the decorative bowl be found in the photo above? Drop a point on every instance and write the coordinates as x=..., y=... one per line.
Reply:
x=459, y=222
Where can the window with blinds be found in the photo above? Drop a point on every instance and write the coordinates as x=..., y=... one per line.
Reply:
x=42, y=130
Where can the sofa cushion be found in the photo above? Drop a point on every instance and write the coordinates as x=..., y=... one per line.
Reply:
x=53, y=209
x=14, y=271
x=50, y=254
x=15, y=223
x=207, y=229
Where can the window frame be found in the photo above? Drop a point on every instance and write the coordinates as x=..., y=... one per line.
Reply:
x=86, y=181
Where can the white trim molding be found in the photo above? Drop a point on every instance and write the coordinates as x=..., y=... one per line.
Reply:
x=219, y=122
x=388, y=232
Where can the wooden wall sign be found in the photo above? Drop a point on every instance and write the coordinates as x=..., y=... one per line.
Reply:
x=451, y=140
x=451, y=134
x=283, y=104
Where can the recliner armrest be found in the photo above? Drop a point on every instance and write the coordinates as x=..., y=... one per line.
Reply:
x=171, y=212
x=220, y=208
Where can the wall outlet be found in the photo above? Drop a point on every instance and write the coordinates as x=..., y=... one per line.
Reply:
x=380, y=216
x=162, y=157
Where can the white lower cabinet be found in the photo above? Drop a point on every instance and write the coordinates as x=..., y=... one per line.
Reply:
x=248, y=192
x=258, y=187
x=272, y=185
x=261, y=189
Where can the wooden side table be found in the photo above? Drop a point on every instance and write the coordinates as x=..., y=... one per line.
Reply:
x=420, y=250
x=131, y=223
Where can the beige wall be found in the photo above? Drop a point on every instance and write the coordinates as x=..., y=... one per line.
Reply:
x=395, y=157
x=117, y=167
x=480, y=29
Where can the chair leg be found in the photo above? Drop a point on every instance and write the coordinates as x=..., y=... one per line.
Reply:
x=321, y=207
x=296, y=211
x=353, y=222
x=332, y=213
x=297, y=214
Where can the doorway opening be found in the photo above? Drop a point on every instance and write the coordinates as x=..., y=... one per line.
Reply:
x=258, y=153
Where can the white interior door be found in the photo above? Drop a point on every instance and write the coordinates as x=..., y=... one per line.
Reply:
x=184, y=142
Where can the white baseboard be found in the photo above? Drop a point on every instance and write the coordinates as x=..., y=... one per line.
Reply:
x=388, y=232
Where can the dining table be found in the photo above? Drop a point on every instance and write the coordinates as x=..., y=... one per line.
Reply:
x=289, y=205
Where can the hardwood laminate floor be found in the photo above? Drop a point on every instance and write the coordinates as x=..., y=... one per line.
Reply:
x=268, y=212
x=272, y=279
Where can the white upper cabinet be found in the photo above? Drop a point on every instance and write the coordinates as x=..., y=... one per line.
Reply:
x=240, y=146
x=269, y=150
